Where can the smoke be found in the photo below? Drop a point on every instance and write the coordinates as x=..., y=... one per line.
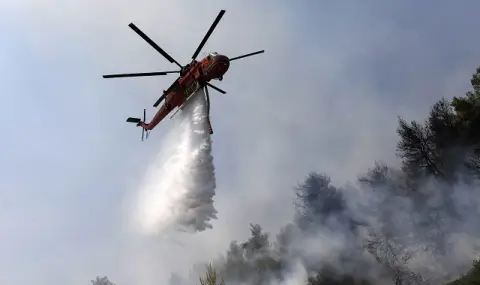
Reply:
x=432, y=233
x=179, y=185
x=378, y=229
x=420, y=238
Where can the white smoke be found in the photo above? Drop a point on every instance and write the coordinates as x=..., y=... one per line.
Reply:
x=178, y=188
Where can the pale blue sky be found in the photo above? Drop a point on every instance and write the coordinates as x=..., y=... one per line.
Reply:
x=324, y=97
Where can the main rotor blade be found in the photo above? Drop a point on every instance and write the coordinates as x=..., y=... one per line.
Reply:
x=245, y=55
x=138, y=74
x=216, y=88
x=153, y=44
x=212, y=27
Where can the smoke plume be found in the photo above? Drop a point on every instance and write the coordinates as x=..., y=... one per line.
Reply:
x=376, y=230
x=178, y=188
x=415, y=237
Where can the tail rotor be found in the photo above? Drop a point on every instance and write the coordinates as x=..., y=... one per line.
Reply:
x=140, y=123
x=147, y=132
x=144, y=117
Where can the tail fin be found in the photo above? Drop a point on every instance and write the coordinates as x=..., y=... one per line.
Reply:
x=140, y=123
x=134, y=120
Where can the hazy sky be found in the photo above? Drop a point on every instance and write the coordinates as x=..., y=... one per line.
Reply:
x=324, y=97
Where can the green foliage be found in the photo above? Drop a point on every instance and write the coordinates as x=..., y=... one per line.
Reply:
x=467, y=111
x=471, y=278
x=416, y=148
x=316, y=201
x=252, y=261
x=211, y=277
x=317, y=197
x=327, y=276
x=101, y=281
x=448, y=140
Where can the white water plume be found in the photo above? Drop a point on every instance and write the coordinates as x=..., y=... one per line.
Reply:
x=178, y=188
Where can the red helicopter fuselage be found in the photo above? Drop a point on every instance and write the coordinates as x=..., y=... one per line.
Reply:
x=194, y=77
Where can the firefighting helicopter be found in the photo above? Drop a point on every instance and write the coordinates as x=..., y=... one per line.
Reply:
x=192, y=77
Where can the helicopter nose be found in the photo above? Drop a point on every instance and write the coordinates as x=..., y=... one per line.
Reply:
x=218, y=67
x=224, y=62
x=222, y=58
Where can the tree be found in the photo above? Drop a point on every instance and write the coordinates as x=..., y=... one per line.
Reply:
x=376, y=177
x=211, y=277
x=389, y=252
x=433, y=148
x=253, y=261
x=417, y=150
x=472, y=277
x=449, y=139
x=328, y=276
x=102, y=281
x=317, y=201
x=467, y=110
x=259, y=254
x=446, y=138
x=286, y=239
x=235, y=267
x=257, y=244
